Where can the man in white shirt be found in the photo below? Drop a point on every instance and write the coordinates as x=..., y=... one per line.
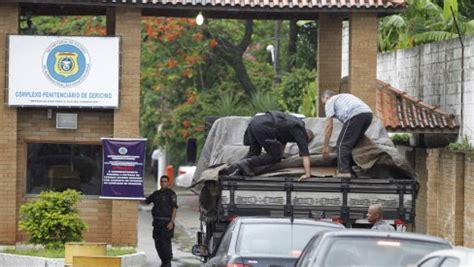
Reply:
x=356, y=117
x=375, y=217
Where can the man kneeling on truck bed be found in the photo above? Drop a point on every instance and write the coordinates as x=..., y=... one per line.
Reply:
x=272, y=131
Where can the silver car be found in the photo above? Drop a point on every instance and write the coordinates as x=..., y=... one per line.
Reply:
x=263, y=242
x=455, y=257
x=368, y=248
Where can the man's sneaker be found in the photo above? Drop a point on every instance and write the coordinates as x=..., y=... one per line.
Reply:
x=343, y=175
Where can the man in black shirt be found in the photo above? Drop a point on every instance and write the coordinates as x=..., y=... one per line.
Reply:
x=164, y=212
x=271, y=132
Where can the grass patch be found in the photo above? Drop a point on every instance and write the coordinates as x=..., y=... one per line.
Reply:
x=37, y=252
x=118, y=251
x=59, y=253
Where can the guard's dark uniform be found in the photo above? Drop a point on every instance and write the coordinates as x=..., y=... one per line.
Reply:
x=164, y=200
x=272, y=131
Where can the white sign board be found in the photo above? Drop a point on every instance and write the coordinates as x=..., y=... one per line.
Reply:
x=390, y=201
x=63, y=71
x=266, y=198
x=316, y=199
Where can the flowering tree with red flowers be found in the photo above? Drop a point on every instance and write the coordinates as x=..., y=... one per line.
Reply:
x=173, y=52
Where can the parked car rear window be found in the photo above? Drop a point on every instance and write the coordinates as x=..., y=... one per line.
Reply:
x=370, y=251
x=274, y=239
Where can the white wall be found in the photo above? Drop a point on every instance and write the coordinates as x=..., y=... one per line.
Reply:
x=432, y=73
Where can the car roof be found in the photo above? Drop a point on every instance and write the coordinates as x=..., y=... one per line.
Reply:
x=287, y=220
x=386, y=234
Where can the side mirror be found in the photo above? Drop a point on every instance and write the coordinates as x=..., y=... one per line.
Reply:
x=200, y=251
x=191, y=150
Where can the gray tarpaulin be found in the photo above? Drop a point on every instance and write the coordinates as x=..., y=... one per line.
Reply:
x=375, y=154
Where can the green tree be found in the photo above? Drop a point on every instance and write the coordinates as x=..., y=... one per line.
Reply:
x=422, y=22
x=295, y=87
x=187, y=69
x=63, y=25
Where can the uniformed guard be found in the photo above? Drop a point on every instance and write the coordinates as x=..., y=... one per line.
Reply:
x=164, y=213
x=272, y=131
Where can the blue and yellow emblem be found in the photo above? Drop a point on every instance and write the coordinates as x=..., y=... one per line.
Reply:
x=66, y=63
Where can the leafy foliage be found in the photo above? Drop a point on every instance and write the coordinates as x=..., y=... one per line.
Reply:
x=262, y=102
x=400, y=139
x=463, y=146
x=52, y=219
x=64, y=25
x=294, y=87
x=227, y=104
x=184, y=79
x=308, y=105
x=424, y=21
x=307, y=39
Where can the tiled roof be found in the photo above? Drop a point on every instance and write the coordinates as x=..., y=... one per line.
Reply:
x=307, y=4
x=401, y=112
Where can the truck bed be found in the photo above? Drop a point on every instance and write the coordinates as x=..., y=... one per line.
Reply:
x=344, y=199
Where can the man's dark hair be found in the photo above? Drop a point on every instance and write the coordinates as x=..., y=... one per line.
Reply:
x=164, y=177
x=328, y=93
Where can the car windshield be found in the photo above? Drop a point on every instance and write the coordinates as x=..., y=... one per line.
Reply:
x=371, y=251
x=275, y=239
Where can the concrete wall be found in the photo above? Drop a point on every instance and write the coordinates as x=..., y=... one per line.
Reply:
x=432, y=72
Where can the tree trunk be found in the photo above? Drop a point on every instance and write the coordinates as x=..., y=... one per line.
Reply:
x=293, y=37
x=277, y=44
x=233, y=55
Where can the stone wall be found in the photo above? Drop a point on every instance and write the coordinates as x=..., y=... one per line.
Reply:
x=446, y=198
x=469, y=200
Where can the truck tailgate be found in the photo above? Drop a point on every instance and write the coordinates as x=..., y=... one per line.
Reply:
x=347, y=199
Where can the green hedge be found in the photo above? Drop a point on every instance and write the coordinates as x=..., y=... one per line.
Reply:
x=52, y=219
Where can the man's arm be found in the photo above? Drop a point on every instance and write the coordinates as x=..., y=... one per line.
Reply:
x=327, y=137
x=148, y=199
x=173, y=217
x=255, y=149
x=301, y=140
x=174, y=202
x=307, y=168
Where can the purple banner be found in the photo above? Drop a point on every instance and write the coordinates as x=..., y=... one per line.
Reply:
x=123, y=167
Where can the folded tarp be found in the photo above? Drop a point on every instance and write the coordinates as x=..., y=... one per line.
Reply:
x=375, y=154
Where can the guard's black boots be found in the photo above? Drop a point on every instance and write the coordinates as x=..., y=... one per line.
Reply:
x=240, y=168
x=245, y=168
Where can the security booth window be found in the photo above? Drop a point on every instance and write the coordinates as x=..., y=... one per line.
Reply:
x=62, y=166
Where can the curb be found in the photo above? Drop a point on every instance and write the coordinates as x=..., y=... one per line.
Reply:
x=131, y=260
x=30, y=261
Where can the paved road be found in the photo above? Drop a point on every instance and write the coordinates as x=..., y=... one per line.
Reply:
x=187, y=224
